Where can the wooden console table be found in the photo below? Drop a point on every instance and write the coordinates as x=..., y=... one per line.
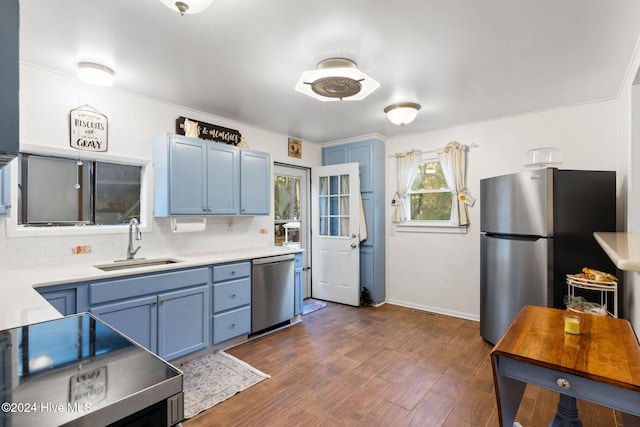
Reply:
x=601, y=365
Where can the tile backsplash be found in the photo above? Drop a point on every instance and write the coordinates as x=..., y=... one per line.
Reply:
x=222, y=233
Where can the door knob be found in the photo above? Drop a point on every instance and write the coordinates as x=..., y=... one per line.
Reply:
x=354, y=245
x=354, y=235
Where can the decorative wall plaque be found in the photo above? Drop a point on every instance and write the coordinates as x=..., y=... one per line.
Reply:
x=295, y=148
x=208, y=131
x=88, y=129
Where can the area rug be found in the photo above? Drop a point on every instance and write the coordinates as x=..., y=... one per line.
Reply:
x=214, y=378
x=310, y=305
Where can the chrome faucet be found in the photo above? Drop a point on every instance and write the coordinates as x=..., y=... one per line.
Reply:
x=130, y=251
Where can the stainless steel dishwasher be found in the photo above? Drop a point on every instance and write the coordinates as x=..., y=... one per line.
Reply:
x=271, y=291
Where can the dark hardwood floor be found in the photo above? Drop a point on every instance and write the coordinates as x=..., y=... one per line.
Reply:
x=384, y=366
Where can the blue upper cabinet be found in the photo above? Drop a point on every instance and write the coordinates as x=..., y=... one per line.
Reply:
x=5, y=191
x=187, y=169
x=255, y=183
x=196, y=177
x=369, y=155
x=335, y=155
x=223, y=176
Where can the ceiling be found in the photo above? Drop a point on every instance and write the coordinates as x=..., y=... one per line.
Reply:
x=462, y=60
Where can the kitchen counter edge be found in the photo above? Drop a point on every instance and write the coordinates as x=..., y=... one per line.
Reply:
x=622, y=248
x=21, y=303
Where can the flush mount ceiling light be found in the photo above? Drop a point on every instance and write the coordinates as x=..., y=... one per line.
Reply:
x=95, y=74
x=402, y=112
x=187, y=6
x=336, y=79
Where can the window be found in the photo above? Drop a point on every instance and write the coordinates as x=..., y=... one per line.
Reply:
x=334, y=205
x=60, y=191
x=429, y=197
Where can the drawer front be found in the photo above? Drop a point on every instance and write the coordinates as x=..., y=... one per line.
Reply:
x=231, y=294
x=231, y=271
x=602, y=393
x=155, y=283
x=231, y=324
x=297, y=261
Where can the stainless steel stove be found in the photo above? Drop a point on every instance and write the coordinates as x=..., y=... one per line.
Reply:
x=78, y=371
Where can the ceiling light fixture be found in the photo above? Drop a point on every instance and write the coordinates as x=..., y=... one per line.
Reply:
x=336, y=79
x=95, y=74
x=402, y=112
x=187, y=6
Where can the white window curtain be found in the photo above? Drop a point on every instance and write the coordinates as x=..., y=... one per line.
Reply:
x=406, y=164
x=453, y=161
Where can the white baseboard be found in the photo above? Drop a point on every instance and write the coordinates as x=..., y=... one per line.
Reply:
x=437, y=310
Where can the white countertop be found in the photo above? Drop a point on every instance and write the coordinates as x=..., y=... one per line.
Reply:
x=622, y=248
x=21, y=304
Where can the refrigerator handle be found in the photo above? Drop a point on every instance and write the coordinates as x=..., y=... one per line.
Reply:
x=514, y=237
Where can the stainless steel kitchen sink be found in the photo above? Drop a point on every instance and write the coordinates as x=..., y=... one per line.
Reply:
x=136, y=263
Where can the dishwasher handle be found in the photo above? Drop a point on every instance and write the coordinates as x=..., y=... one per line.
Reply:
x=273, y=259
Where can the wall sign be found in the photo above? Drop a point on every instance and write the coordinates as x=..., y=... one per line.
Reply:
x=207, y=131
x=295, y=148
x=88, y=129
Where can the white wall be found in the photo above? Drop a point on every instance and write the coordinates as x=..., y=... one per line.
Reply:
x=441, y=272
x=45, y=101
x=628, y=104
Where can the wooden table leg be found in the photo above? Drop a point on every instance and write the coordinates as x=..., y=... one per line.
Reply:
x=509, y=394
x=567, y=415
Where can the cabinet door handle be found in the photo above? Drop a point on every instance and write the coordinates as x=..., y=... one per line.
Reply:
x=161, y=301
x=154, y=303
x=204, y=209
x=233, y=272
x=233, y=325
x=233, y=295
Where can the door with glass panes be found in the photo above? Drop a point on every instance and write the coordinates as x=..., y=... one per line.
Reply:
x=291, y=211
x=335, y=227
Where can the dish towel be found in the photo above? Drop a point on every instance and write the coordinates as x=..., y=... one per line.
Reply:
x=363, y=223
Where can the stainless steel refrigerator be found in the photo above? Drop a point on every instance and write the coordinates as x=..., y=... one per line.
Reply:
x=537, y=226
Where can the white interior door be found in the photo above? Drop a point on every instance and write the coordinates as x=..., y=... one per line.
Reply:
x=335, y=192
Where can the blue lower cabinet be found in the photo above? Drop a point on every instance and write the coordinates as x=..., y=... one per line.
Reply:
x=63, y=300
x=231, y=324
x=231, y=301
x=68, y=298
x=183, y=325
x=135, y=318
x=167, y=313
